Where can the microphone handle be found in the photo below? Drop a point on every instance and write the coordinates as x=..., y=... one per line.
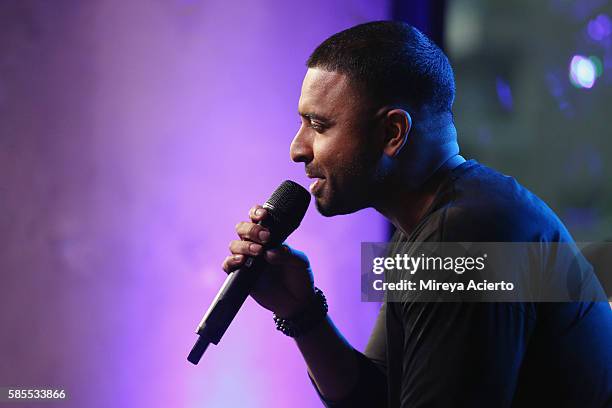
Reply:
x=226, y=305
x=236, y=289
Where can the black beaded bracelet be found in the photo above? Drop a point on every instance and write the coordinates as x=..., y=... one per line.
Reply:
x=306, y=320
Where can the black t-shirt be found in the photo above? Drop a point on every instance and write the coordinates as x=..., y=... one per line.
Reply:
x=486, y=354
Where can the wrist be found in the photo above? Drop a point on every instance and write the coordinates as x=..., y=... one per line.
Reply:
x=300, y=323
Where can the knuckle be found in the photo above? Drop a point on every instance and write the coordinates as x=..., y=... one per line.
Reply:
x=252, y=233
x=258, y=212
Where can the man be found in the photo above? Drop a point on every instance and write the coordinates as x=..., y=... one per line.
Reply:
x=377, y=131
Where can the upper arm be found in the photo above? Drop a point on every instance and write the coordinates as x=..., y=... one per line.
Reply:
x=376, y=349
x=371, y=387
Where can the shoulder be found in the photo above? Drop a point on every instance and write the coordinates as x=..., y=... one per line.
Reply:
x=489, y=206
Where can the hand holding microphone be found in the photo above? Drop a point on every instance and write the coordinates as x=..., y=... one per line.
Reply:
x=286, y=281
x=279, y=290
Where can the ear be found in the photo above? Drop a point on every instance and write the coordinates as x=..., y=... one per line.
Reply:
x=397, y=127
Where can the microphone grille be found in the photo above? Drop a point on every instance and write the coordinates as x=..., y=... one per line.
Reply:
x=289, y=203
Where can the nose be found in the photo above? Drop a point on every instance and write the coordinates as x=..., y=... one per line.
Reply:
x=301, y=146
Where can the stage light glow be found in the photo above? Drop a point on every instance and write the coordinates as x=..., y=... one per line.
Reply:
x=583, y=72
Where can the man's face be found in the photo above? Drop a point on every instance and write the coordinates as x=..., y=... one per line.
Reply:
x=338, y=141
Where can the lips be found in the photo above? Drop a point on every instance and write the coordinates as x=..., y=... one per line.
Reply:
x=318, y=181
x=312, y=175
x=316, y=185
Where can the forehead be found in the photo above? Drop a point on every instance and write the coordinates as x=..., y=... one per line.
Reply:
x=327, y=93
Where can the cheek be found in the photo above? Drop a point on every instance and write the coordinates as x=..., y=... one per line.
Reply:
x=339, y=155
x=323, y=151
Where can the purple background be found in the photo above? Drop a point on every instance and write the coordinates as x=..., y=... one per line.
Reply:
x=133, y=136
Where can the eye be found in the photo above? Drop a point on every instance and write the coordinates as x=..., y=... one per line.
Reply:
x=313, y=124
x=317, y=127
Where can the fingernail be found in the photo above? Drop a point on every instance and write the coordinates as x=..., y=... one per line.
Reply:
x=254, y=248
x=259, y=212
x=237, y=258
x=264, y=235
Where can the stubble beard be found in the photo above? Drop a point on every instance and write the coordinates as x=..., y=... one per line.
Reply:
x=360, y=184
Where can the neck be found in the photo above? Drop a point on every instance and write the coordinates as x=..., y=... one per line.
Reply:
x=407, y=206
x=411, y=193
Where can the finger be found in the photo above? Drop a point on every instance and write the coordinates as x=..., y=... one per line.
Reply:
x=257, y=213
x=245, y=248
x=232, y=262
x=252, y=232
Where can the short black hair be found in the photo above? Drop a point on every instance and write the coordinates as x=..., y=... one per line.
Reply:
x=392, y=62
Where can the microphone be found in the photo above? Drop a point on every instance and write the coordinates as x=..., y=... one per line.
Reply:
x=286, y=209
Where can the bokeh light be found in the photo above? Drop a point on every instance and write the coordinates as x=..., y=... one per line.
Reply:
x=598, y=65
x=583, y=72
x=504, y=93
x=600, y=27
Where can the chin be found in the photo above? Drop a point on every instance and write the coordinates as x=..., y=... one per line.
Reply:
x=328, y=209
